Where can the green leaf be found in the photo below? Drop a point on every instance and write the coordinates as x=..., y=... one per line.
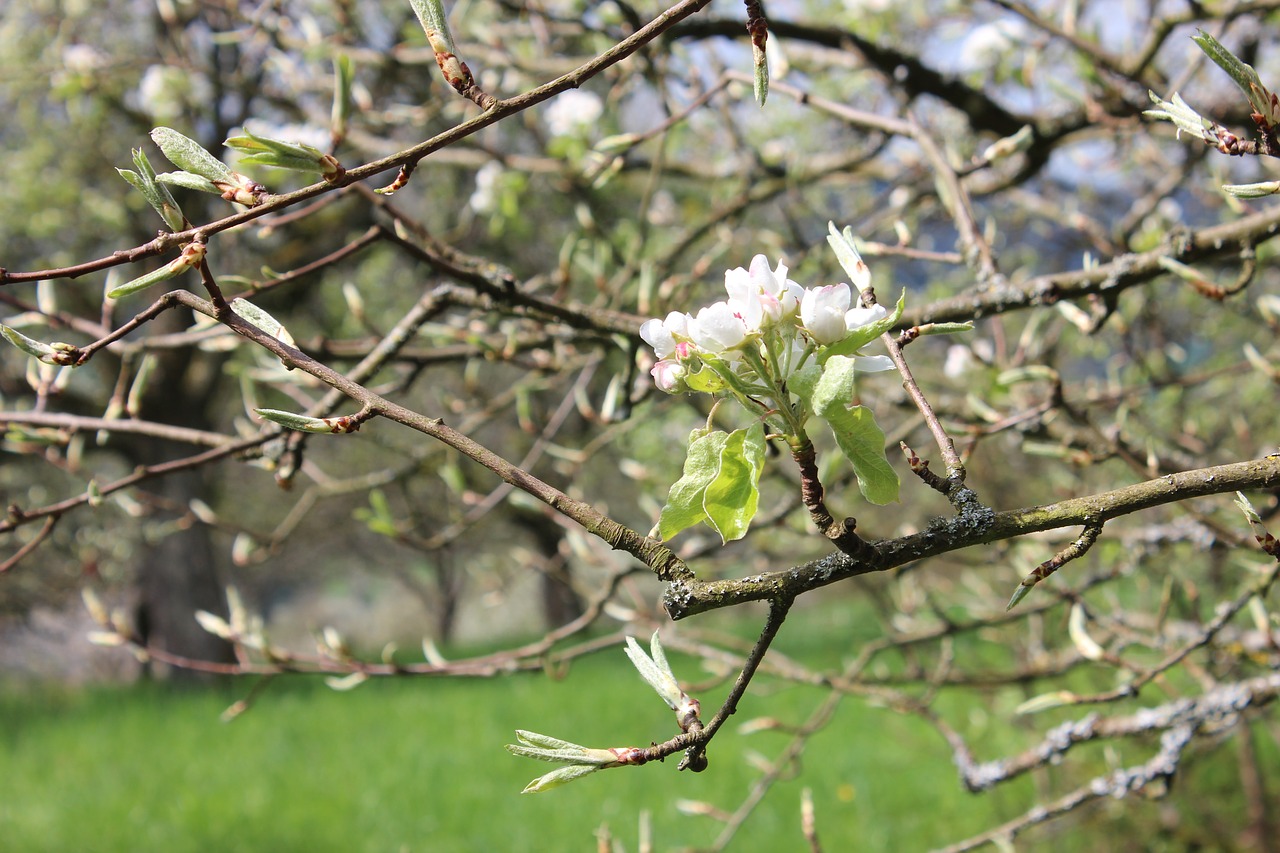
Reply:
x=283, y=161
x=192, y=255
x=559, y=776
x=296, y=156
x=188, y=181
x=142, y=282
x=856, y=431
x=305, y=423
x=803, y=382
x=340, y=114
x=264, y=321
x=544, y=743
x=435, y=23
x=684, y=502
x=38, y=349
x=189, y=155
x=1242, y=73
x=859, y=338
x=732, y=498
x=378, y=516
x=253, y=143
x=156, y=194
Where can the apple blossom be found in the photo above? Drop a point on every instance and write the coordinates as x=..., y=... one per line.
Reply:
x=789, y=355
x=857, y=317
x=717, y=329
x=661, y=334
x=762, y=296
x=872, y=363
x=822, y=311
x=669, y=375
x=767, y=329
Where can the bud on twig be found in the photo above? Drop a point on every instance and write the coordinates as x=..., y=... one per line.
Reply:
x=302, y=423
x=435, y=23
x=192, y=256
x=57, y=353
x=657, y=673
x=204, y=172
x=579, y=760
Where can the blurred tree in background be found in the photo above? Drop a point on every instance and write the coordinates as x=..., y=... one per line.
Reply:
x=478, y=275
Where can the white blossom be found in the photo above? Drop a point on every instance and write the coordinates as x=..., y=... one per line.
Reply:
x=822, y=311
x=573, y=111
x=717, y=329
x=661, y=334
x=857, y=317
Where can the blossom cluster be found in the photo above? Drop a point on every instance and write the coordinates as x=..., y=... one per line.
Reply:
x=768, y=324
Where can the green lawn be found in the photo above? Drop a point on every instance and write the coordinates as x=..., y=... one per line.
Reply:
x=418, y=765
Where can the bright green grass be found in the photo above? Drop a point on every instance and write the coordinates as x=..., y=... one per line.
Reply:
x=418, y=765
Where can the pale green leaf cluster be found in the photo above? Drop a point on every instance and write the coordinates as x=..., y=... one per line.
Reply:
x=55, y=353
x=1188, y=121
x=1264, y=103
x=856, y=431
x=579, y=760
x=157, y=194
x=720, y=484
x=294, y=156
x=656, y=671
x=191, y=157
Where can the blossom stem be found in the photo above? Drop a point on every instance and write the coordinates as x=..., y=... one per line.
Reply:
x=841, y=533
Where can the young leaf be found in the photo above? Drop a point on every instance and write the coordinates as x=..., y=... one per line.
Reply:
x=559, y=776
x=1177, y=111
x=1261, y=190
x=655, y=670
x=855, y=267
x=731, y=499
x=264, y=151
x=262, y=320
x=864, y=335
x=303, y=423
x=189, y=181
x=856, y=431
x=192, y=255
x=340, y=115
x=38, y=349
x=187, y=154
x=1242, y=73
x=157, y=195
x=435, y=23
x=684, y=501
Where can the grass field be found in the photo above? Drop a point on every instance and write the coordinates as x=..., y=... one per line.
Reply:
x=418, y=765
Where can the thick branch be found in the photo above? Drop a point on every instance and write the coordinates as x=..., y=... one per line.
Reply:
x=979, y=526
